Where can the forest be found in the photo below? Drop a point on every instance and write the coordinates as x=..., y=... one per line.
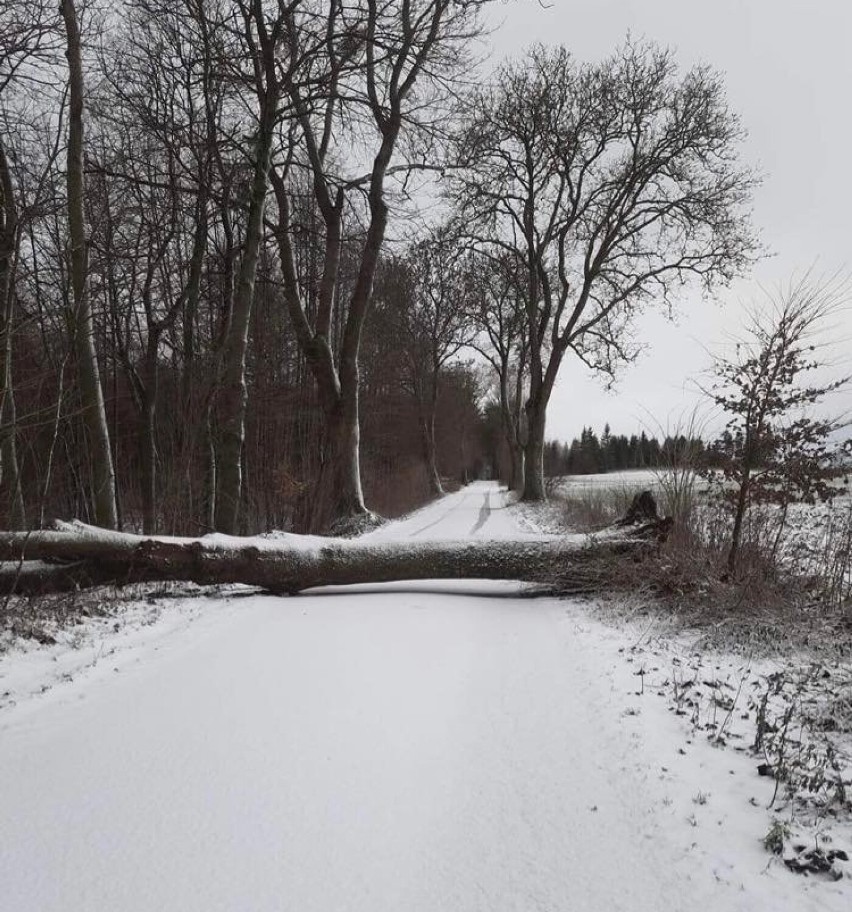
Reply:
x=593, y=455
x=289, y=264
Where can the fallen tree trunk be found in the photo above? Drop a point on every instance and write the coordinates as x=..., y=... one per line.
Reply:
x=77, y=556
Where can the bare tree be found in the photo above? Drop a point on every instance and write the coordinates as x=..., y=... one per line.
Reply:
x=80, y=318
x=614, y=184
x=379, y=73
x=499, y=314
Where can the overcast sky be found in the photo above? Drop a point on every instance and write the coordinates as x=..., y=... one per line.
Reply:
x=788, y=70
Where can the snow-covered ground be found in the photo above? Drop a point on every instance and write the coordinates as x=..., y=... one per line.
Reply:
x=443, y=747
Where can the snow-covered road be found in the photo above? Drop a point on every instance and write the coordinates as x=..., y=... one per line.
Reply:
x=427, y=748
x=478, y=510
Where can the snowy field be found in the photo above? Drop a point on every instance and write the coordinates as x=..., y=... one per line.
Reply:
x=630, y=478
x=629, y=481
x=443, y=747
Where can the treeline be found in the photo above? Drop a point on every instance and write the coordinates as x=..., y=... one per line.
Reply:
x=593, y=455
x=216, y=309
x=283, y=449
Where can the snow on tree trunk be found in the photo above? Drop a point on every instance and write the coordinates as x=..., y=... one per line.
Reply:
x=291, y=563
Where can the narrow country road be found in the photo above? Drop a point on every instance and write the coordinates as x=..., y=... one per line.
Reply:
x=428, y=748
x=477, y=510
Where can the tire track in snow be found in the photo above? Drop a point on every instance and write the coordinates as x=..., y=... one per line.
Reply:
x=439, y=520
x=484, y=515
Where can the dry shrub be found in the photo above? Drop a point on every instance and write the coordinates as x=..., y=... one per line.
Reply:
x=826, y=559
x=775, y=602
x=678, y=478
x=678, y=489
x=592, y=507
x=791, y=588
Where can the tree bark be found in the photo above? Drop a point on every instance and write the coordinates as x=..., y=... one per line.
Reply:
x=516, y=454
x=294, y=563
x=91, y=394
x=427, y=423
x=534, y=452
x=433, y=478
x=342, y=422
x=149, y=437
x=739, y=517
x=337, y=495
x=510, y=421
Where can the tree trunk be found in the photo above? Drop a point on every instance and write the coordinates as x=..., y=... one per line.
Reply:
x=82, y=326
x=430, y=462
x=427, y=424
x=534, y=453
x=188, y=432
x=295, y=562
x=338, y=387
x=739, y=517
x=209, y=491
x=516, y=454
x=149, y=441
x=511, y=421
x=13, y=515
x=338, y=495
